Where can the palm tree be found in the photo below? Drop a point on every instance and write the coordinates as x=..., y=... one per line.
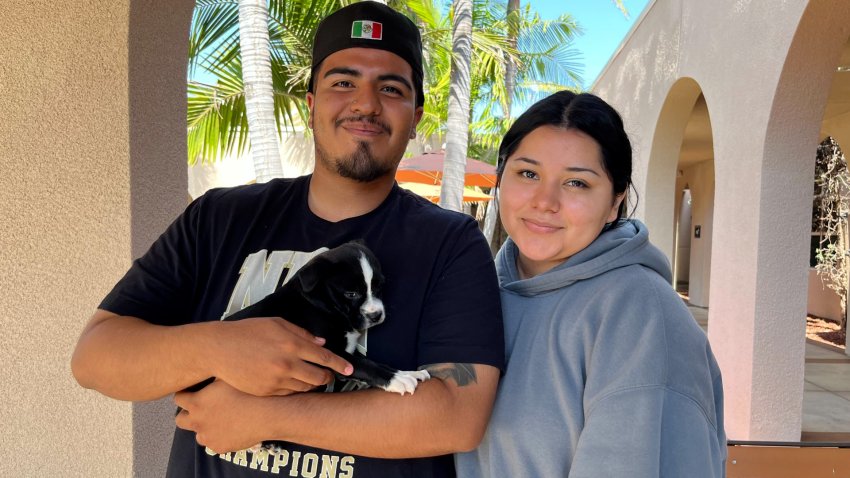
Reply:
x=543, y=63
x=512, y=16
x=454, y=166
x=217, y=119
x=257, y=81
x=513, y=23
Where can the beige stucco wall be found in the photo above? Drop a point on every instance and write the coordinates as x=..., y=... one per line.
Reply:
x=822, y=301
x=92, y=162
x=764, y=69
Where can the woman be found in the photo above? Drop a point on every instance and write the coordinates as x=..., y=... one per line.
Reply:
x=608, y=374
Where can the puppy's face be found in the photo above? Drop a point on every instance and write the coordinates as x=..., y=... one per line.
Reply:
x=350, y=281
x=367, y=293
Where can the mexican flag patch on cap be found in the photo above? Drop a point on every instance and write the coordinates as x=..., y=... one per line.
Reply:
x=366, y=29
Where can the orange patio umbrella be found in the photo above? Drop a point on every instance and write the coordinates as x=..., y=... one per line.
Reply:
x=431, y=192
x=428, y=169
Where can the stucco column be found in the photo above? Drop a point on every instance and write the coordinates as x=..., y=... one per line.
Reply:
x=93, y=167
x=158, y=44
x=763, y=214
x=764, y=70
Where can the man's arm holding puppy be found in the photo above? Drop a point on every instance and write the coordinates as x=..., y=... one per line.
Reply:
x=131, y=359
x=446, y=414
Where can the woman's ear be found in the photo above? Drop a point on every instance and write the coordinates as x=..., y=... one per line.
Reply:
x=618, y=199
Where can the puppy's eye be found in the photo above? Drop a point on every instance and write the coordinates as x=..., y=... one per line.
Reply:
x=352, y=295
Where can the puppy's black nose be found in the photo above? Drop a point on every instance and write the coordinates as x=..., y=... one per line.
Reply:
x=373, y=317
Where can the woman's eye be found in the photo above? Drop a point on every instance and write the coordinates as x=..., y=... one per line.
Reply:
x=352, y=295
x=528, y=174
x=575, y=183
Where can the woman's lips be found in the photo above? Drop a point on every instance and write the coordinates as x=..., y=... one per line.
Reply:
x=540, y=226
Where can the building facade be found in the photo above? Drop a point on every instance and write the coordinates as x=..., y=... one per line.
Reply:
x=729, y=98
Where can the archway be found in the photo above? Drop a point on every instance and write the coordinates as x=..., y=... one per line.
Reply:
x=765, y=357
x=835, y=125
x=661, y=189
x=694, y=207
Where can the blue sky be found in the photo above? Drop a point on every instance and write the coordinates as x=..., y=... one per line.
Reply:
x=603, y=24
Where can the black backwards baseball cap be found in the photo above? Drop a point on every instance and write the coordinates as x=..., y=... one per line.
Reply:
x=369, y=24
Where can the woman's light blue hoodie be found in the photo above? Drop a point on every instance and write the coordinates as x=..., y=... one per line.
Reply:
x=608, y=374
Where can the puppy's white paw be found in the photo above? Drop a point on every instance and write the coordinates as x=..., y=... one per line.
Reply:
x=406, y=382
x=256, y=448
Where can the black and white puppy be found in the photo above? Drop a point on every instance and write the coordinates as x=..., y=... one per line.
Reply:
x=336, y=295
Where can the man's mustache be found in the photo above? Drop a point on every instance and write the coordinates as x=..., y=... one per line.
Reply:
x=364, y=119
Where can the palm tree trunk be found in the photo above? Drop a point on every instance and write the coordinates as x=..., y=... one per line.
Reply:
x=491, y=216
x=259, y=93
x=510, y=66
x=457, y=135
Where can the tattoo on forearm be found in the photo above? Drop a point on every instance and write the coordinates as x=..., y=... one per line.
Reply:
x=462, y=373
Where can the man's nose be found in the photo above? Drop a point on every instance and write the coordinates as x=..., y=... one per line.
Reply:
x=366, y=102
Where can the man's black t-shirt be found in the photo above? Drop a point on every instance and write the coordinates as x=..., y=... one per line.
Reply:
x=232, y=247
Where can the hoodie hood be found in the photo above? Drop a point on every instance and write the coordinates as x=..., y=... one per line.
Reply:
x=622, y=246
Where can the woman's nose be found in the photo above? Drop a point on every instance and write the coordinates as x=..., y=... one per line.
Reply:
x=546, y=197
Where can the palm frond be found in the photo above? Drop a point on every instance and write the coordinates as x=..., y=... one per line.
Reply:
x=214, y=22
x=218, y=124
x=621, y=7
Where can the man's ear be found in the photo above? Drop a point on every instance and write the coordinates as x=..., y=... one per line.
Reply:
x=310, y=101
x=417, y=117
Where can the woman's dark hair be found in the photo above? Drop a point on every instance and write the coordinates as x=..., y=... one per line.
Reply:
x=592, y=116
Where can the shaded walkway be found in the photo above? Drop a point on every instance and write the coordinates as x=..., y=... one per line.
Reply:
x=826, y=394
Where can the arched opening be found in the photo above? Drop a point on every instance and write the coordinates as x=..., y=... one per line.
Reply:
x=662, y=196
x=826, y=408
x=824, y=302
x=694, y=207
x=771, y=393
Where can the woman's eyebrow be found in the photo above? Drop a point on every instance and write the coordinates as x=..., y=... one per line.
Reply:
x=572, y=169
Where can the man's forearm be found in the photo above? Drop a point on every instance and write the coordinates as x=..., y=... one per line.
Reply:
x=130, y=359
x=441, y=417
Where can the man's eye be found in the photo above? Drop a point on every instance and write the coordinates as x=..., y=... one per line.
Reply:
x=392, y=89
x=343, y=84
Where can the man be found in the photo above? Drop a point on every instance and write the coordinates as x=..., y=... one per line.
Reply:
x=158, y=332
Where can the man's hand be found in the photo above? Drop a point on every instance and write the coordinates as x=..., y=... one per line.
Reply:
x=131, y=359
x=270, y=356
x=221, y=416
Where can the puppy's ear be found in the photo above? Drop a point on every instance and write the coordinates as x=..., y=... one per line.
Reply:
x=309, y=276
x=312, y=282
